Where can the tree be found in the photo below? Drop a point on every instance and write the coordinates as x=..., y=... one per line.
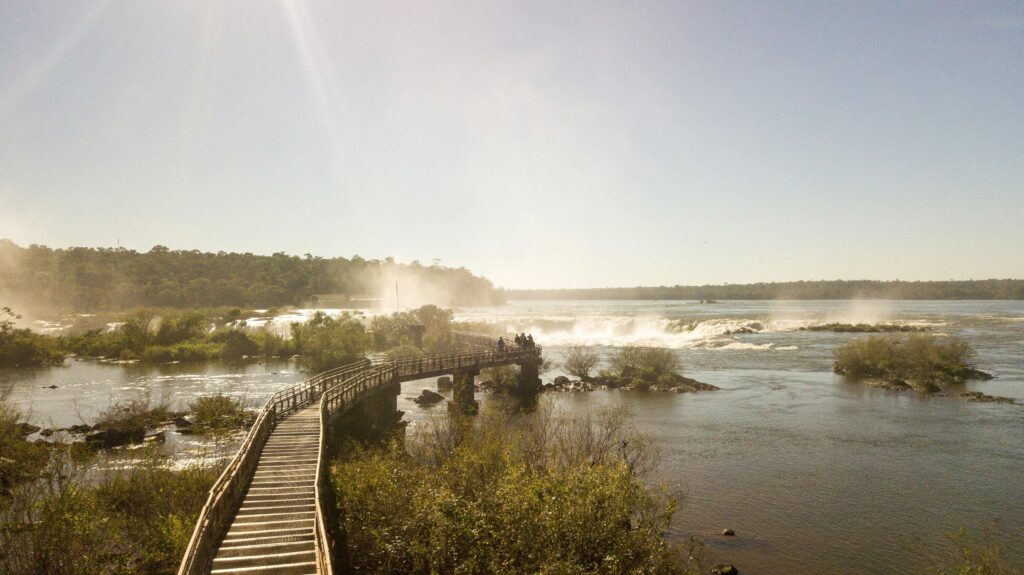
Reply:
x=580, y=361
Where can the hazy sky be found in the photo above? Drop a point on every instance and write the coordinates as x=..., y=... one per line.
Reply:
x=542, y=144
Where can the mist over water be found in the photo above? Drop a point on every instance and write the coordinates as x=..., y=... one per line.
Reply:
x=683, y=325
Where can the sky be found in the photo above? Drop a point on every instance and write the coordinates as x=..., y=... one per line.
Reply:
x=541, y=144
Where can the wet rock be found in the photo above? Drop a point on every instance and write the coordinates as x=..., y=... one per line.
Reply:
x=561, y=381
x=50, y=386
x=894, y=385
x=115, y=437
x=185, y=431
x=46, y=432
x=728, y=532
x=724, y=569
x=977, y=396
x=158, y=437
x=428, y=397
x=26, y=429
x=181, y=422
x=971, y=373
x=81, y=428
x=444, y=383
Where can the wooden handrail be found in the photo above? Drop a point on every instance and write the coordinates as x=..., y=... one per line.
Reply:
x=336, y=389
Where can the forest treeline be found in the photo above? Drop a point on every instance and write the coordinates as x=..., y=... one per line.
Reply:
x=802, y=290
x=91, y=279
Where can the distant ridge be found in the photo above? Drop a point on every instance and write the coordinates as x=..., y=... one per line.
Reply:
x=990, y=289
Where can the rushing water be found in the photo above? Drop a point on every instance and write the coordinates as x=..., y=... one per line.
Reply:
x=815, y=473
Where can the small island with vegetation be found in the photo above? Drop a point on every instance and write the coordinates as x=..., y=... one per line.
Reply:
x=633, y=368
x=865, y=328
x=922, y=362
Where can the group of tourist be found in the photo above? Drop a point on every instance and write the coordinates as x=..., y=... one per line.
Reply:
x=522, y=340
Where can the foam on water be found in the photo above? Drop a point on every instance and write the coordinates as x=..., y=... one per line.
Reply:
x=722, y=333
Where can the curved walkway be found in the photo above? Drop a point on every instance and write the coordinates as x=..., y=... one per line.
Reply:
x=264, y=514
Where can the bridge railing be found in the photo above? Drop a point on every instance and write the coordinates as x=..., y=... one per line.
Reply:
x=437, y=362
x=335, y=389
x=336, y=399
x=228, y=491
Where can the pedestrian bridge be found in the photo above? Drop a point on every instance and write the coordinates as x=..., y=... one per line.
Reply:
x=265, y=514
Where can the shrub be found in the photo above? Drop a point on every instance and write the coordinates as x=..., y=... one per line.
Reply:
x=645, y=362
x=217, y=413
x=22, y=347
x=20, y=460
x=237, y=345
x=527, y=494
x=580, y=361
x=326, y=343
x=390, y=331
x=920, y=359
x=184, y=352
x=975, y=554
x=135, y=520
x=272, y=345
x=127, y=422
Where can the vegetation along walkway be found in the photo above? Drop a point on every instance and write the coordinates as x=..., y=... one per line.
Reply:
x=264, y=514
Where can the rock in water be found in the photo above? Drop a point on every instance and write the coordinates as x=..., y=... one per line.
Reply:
x=444, y=383
x=115, y=437
x=561, y=380
x=428, y=397
x=158, y=437
x=723, y=569
x=26, y=429
x=728, y=532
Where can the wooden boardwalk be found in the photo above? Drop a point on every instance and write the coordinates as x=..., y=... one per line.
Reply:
x=264, y=514
x=273, y=532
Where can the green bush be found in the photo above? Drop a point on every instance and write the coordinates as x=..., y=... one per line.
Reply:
x=20, y=460
x=236, y=345
x=136, y=520
x=920, y=359
x=183, y=352
x=217, y=413
x=647, y=363
x=272, y=345
x=969, y=553
x=395, y=330
x=531, y=494
x=325, y=343
x=128, y=421
x=22, y=347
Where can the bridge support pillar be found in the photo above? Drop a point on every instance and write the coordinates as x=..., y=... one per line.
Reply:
x=529, y=383
x=376, y=418
x=463, y=401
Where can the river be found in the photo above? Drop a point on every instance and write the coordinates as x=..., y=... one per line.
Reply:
x=813, y=472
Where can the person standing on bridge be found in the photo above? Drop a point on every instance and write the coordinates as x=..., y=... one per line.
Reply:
x=501, y=345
